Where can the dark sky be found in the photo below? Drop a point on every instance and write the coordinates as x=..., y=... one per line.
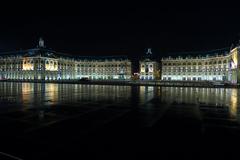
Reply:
x=103, y=29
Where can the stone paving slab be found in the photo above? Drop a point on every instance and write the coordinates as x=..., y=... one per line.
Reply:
x=109, y=128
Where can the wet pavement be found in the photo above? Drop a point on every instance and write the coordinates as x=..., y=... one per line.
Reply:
x=116, y=122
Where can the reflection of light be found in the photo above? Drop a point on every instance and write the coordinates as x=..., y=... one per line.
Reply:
x=26, y=90
x=142, y=92
x=233, y=104
x=52, y=90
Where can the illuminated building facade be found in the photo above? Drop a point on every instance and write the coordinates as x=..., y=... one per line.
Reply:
x=43, y=64
x=220, y=67
x=149, y=68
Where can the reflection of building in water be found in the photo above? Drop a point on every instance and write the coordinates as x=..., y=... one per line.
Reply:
x=222, y=66
x=44, y=64
x=51, y=93
x=27, y=90
x=93, y=93
x=213, y=96
x=146, y=94
x=234, y=103
x=39, y=94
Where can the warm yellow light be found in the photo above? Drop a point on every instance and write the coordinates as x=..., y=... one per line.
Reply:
x=52, y=93
x=27, y=66
x=26, y=89
x=235, y=57
x=51, y=67
x=234, y=104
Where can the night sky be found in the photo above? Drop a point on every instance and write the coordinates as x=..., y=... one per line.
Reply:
x=121, y=28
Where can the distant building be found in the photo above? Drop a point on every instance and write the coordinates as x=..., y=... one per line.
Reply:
x=217, y=67
x=149, y=68
x=44, y=64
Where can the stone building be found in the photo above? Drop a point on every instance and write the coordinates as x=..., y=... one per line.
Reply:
x=222, y=65
x=43, y=64
x=148, y=67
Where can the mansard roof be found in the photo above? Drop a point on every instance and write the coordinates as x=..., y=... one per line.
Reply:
x=30, y=52
x=43, y=52
x=211, y=53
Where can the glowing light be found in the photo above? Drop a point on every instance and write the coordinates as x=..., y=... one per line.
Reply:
x=51, y=66
x=27, y=64
x=233, y=104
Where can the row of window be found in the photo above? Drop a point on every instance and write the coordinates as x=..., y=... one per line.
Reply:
x=224, y=66
x=147, y=66
x=60, y=69
x=195, y=63
x=109, y=65
x=196, y=70
x=149, y=73
x=60, y=64
x=209, y=73
x=195, y=78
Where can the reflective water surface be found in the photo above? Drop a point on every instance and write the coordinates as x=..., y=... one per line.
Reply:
x=126, y=117
x=37, y=94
